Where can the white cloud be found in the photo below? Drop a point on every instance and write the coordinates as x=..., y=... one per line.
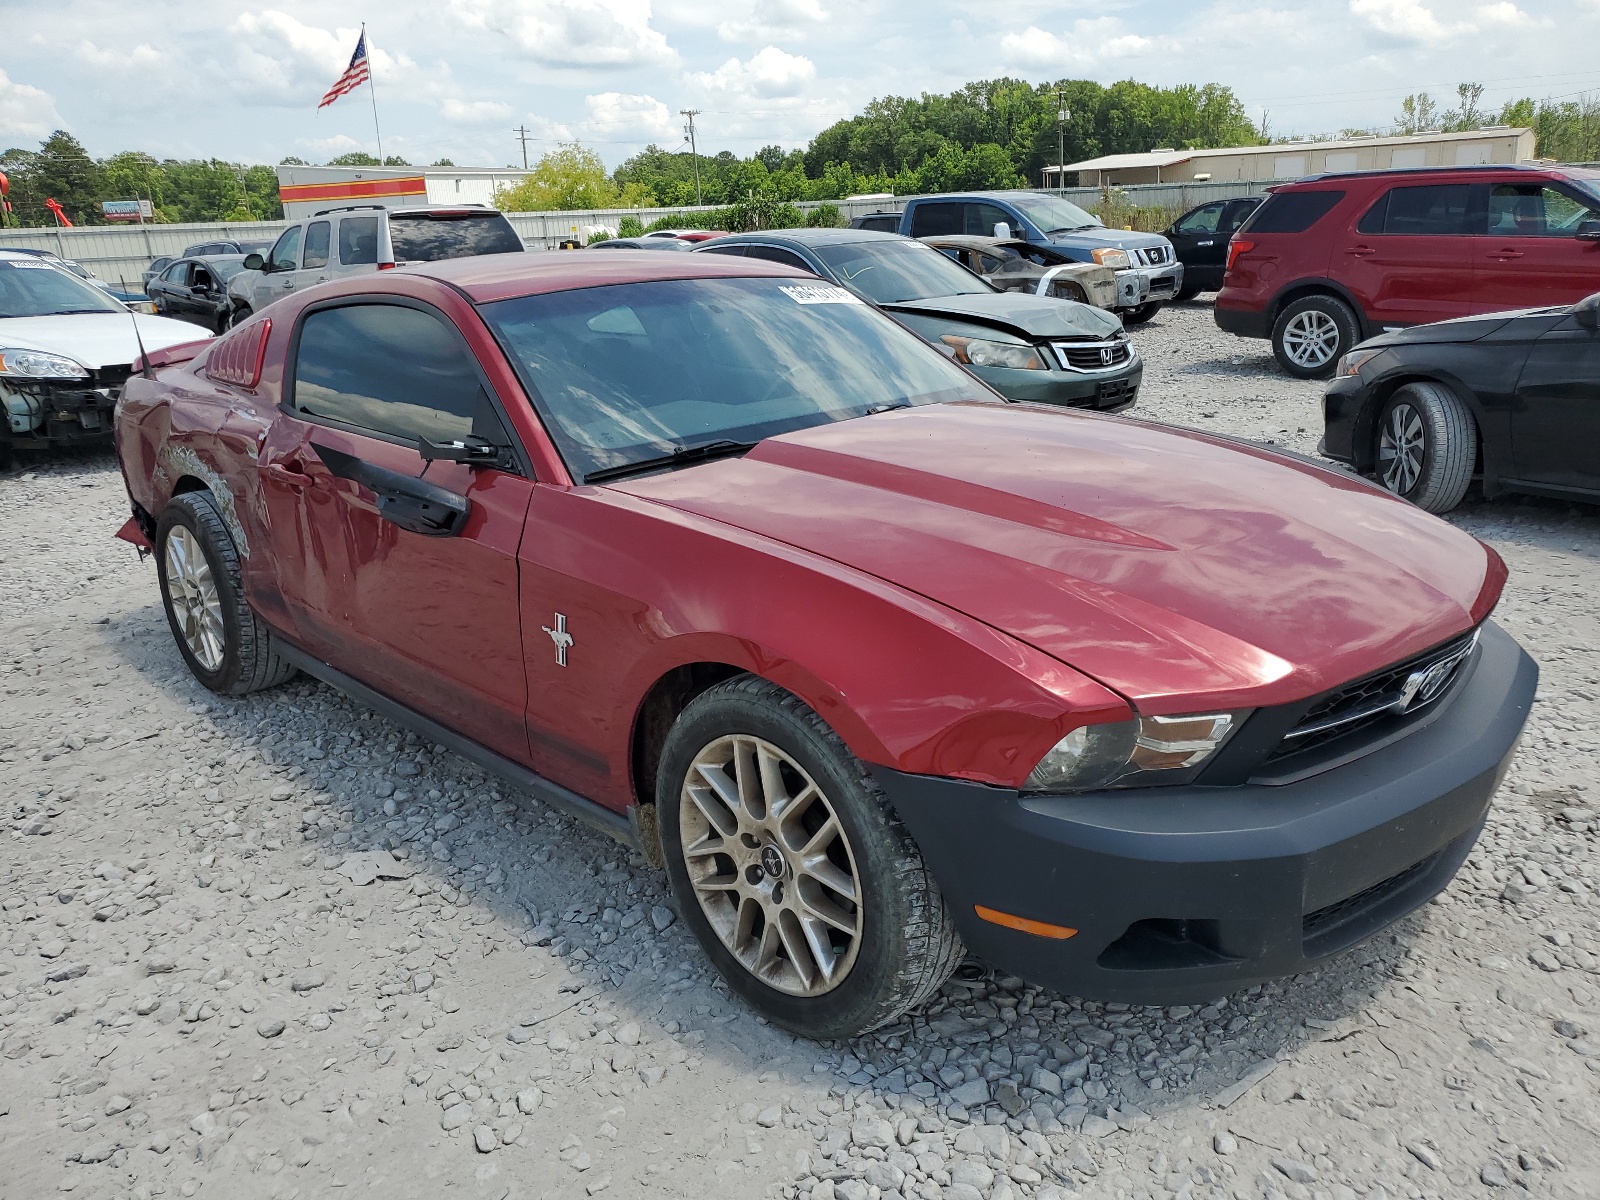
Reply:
x=573, y=33
x=617, y=116
x=474, y=112
x=121, y=60
x=770, y=73
x=1410, y=19
x=773, y=21
x=282, y=60
x=332, y=147
x=1090, y=41
x=26, y=112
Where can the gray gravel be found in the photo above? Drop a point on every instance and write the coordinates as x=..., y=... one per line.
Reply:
x=276, y=946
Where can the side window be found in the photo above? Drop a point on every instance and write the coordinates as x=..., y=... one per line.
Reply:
x=1202, y=220
x=939, y=219
x=1536, y=210
x=1432, y=210
x=358, y=241
x=201, y=278
x=1237, y=213
x=393, y=370
x=773, y=254
x=982, y=218
x=177, y=275
x=285, y=254
x=317, y=234
x=988, y=264
x=720, y=248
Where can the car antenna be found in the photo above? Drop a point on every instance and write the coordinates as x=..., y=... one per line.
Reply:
x=144, y=360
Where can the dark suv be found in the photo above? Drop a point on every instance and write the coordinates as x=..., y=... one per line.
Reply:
x=1333, y=259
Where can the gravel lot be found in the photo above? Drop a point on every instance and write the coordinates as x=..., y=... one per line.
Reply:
x=203, y=991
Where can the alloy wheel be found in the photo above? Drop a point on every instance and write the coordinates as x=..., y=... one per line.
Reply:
x=1310, y=339
x=1400, y=449
x=196, y=602
x=771, y=865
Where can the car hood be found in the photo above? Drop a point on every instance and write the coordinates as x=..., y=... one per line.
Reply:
x=1180, y=569
x=1030, y=316
x=96, y=339
x=1461, y=329
x=1122, y=239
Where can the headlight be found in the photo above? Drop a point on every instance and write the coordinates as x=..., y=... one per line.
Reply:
x=979, y=353
x=37, y=364
x=1116, y=259
x=148, y=307
x=1129, y=751
x=1352, y=363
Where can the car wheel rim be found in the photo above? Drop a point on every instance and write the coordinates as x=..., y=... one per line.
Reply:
x=1311, y=338
x=1400, y=449
x=770, y=865
x=196, y=602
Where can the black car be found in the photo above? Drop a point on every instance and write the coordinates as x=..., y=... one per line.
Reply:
x=196, y=290
x=1026, y=347
x=157, y=265
x=1513, y=398
x=1200, y=238
x=213, y=249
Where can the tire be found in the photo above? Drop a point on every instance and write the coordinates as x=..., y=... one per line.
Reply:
x=1312, y=334
x=1186, y=294
x=1141, y=314
x=226, y=646
x=237, y=316
x=1427, y=445
x=888, y=952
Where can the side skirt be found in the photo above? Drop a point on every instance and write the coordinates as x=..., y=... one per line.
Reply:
x=596, y=816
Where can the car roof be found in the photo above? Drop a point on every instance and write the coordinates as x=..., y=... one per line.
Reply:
x=1430, y=172
x=202, y=258
x=810, y=237
x=489, y=277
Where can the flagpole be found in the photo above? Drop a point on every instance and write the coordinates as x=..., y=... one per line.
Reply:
x=372, y=88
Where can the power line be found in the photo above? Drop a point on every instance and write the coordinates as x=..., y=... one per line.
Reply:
x=522, y=136
x=694, y=149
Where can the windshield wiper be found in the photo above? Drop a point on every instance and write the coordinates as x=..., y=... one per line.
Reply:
x=1070, y=229
x=703, y=452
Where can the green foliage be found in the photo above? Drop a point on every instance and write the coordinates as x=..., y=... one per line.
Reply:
x=630, y=227
x=571, y=177
x=754, y=212
x=1565, y=130
x=599, y=235
x=355, y=158
x=826, y=216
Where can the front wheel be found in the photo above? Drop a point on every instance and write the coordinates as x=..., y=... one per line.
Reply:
x=1311, y=335
x=1427, y=446
x=791, y=868
x=236, y=316
x=1138, y=316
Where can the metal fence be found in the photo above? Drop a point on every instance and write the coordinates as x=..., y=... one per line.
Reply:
x=120, y=254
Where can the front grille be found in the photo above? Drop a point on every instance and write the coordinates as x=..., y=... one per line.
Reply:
x=1092, y=356
x=1164, y=286
x=1154, y=256
x=1401, y=690
x=1324, y=925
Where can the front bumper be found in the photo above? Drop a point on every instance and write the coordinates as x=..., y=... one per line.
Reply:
x=1153, y=283
x=1181, y=895
x=1113, y=390
x=1345, y=419
x=45, y=413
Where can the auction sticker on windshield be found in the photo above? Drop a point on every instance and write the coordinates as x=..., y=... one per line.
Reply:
x=820, y=295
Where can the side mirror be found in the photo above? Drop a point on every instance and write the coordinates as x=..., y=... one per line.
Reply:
x=254, y=262
x=1589, y=231
x=1002, y=229
x=472, y=450
x=1586, y=312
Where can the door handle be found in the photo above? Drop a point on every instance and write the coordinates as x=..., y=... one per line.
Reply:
x=1506, y=254
x=1360, y=251
x=1206, y=243
x=288, y=283
x=289, y=475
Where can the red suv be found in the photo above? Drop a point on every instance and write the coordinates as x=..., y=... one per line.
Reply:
x=1333, y=259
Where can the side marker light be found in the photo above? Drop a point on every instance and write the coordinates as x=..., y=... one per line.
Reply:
x=1023, y=924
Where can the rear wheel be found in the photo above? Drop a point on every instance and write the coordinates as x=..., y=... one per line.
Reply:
x=791, y=868
x=225, y=645
x=1311, y=335
x=1427, y=446
x=1138, y=316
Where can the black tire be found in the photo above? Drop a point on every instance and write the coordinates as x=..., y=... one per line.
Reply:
x=1312, y=334
x=1141, y=314
x=1427, y=446
x=237, y=316
x=1186, y=294
x=249, y=661
x=907, y=945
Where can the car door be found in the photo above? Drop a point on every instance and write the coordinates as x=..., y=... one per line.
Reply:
x=205, y=294
x=170, y=291
x=1530, y=254
x=1555, y=423
x=1201, y=245
x=1409, y=259
x=430, y=621
x=277, y=278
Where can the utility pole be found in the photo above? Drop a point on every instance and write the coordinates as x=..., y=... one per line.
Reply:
x=694, y=149
x=1061, y=141
x=522, y=136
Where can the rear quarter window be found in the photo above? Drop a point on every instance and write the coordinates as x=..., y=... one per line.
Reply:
x=434, y=236
x=1292, y=212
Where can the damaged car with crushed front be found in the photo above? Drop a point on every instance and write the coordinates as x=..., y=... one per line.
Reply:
x=880, y=666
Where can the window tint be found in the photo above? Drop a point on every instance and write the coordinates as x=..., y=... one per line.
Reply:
x=177, y=274
x=317, y=235
x=1202, y=220
x=394, y=370
x=358, y=240
x=1293, y=212
x=1535, y=210
x=773, y=254
x=1432, y=210
x=936, y=220
x=719, y=248
x=285, y=254
x=429, y=237
x=982, y=218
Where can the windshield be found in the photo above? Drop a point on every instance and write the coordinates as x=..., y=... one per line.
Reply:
x=630, y=372
x=34, y=288
x=892, y=271
x=227, y=268
x=1053, y=214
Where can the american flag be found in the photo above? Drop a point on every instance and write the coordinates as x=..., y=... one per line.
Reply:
x=354, y=75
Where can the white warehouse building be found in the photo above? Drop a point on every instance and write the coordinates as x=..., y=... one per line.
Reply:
x=305, y=190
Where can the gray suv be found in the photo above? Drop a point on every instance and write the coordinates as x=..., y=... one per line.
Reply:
x=338, y=242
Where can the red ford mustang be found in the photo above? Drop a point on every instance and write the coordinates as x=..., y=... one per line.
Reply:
x=877, y=664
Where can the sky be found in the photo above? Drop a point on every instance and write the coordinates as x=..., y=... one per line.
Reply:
x=454, y=77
